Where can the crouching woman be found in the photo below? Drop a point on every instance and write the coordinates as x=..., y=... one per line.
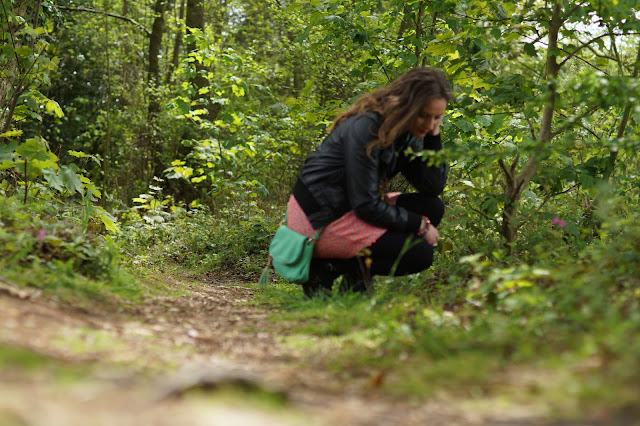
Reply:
x=337, y=189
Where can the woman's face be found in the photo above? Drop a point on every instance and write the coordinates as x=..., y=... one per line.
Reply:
x=428, y=120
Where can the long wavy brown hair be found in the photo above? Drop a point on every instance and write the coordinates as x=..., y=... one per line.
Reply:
x=399, y=103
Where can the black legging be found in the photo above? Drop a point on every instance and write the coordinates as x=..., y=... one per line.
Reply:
x=418, y=254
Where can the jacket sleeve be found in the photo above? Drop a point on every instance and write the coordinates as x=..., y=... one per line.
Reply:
x=428, y=180
x=362, y=179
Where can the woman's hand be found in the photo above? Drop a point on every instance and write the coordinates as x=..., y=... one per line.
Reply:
x=432, y=236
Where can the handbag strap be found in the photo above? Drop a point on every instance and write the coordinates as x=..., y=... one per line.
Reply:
x=318, y=232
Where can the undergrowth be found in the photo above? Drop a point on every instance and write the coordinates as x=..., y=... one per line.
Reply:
x=56, y=247
x=198, y=240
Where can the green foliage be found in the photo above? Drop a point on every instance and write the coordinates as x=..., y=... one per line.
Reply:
x=196, y=239
x=467, y=329
x=59, y=248
x=26, y=64
x=247, y=148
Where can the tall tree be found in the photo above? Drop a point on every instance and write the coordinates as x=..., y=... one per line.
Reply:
x=155, y=45
x=177, y=41
x=195, y=23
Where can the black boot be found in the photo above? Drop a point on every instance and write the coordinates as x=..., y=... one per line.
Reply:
x=352, y=282
x=352, y=279
x=322, y=273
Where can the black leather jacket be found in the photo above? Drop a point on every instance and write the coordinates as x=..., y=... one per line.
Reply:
x=339, y=176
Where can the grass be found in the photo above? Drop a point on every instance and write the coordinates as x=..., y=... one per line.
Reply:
x=67, y=285
x=398, y=343
x=13, y=357
x=14, y=360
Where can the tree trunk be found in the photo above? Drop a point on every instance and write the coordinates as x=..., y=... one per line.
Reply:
x=177, y=43
x=404, y=24
x=419, y=20
x=106, y=170
x=155, y=44
x=515, y=185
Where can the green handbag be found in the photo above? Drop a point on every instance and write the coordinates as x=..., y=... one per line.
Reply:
x=290, y=253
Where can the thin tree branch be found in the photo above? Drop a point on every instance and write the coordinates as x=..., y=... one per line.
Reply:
x=614, y=47
x=507, y=171
x=582, y=126
x=383, y=68
x=572, y=121
x=113, y=15
x=515, y=164
x=533, y=131
x=11, y=36
x=550, y=196
x=20, y=87
x=481, y=213
x=585, y=44
x=462, y=15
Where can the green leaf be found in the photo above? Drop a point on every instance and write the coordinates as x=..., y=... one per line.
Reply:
x=11, y=134
x=34, y=149
x=530, y=49
x=465, y=125
x=71, y=180
x=440, y=48
x=51, y=176
x=50, y=163
x=237, y=90
x=52, y=107
x=108, y=220
x=24, y=51
x=78, y=154
x=183, y=105
x=7, y=149
x=6, y=164
x=490, y=205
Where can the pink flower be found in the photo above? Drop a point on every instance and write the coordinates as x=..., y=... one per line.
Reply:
x=41, y=234
x=562, y=223
x=556, y=220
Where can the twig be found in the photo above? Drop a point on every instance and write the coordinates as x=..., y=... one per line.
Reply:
x=506, y=171
x=589, y=42
x=26, y=181
x=533, y=132
x=11, y=35
x=20, y=88
x=515, y=164
x=383, y=68
x=548, y=197
x=573, y=121
x=113, y=15
x=481, y=213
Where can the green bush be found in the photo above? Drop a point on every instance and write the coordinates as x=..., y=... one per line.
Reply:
x=52, y=245
x=197, y=239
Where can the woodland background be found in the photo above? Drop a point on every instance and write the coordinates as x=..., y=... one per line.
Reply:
x=168, y=133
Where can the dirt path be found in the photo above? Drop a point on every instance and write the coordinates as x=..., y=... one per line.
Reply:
x=134, y=366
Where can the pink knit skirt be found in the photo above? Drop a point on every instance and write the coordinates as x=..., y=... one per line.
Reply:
x=341, y=239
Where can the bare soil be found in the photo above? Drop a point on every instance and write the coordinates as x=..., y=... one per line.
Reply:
x=202, y=357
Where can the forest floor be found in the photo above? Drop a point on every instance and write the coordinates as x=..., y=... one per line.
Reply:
x=197, y=353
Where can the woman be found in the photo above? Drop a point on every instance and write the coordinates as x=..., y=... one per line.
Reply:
x=338, y=185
